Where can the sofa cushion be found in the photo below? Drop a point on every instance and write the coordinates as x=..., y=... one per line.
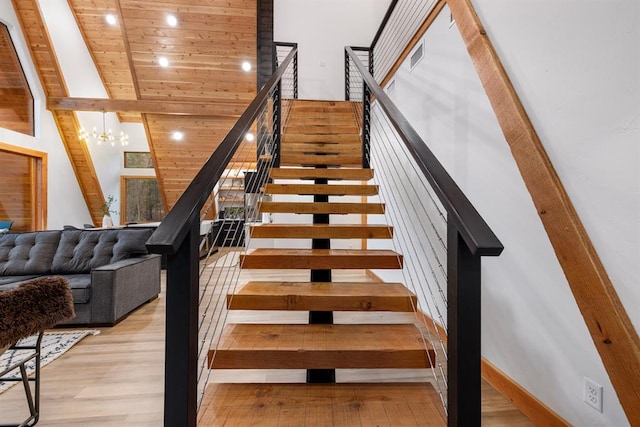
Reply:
x=80, y=285
x=7, y=282
x=80, y=251
x=28, y=253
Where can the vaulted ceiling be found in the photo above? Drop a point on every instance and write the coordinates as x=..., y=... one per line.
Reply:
x=201, y=93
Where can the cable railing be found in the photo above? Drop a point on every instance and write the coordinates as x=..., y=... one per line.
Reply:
x=440, y=234
x=203, y=235
x=400, y=24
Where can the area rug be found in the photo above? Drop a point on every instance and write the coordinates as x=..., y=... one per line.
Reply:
x=54, y=344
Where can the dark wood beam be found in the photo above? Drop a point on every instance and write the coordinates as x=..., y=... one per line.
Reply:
x=211, y=109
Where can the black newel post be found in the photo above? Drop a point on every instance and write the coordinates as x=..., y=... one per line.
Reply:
x=463, y=329
x=181, y=336
x=347, y=96
x=277, y=124
x=366, y=124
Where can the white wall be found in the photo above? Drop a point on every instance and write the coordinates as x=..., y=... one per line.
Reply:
x=322, y=28
x=83, y=81
x=65, y=202
x=576, y=67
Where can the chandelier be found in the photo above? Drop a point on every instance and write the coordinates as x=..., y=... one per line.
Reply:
x=105, y=136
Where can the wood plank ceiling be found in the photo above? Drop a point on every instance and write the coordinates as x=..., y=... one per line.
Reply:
x=202, y=91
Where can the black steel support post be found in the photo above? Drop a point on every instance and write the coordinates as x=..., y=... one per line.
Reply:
x=463, y=328
x=295, y=76
x=371, y=62
x=180, y=376
x=347, y=96
x=321, y=317
x=366, y=125
x=277, y=124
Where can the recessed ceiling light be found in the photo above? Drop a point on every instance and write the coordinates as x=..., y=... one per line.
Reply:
x=177, y=136
x=111, y=19
x=163, y=62
x=246, y=66
x=249, y=136
x=172, y=20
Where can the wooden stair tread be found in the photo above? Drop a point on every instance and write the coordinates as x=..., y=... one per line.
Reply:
x=324, y=207
x=264, y=258
x=321, y=147
x=329, y=189
x=365, y=405
x=341, y=346
x=355, y=174
x=297, y=138
x=321, y=231
x=327, y=128
x=287, y=159
x=323, y=296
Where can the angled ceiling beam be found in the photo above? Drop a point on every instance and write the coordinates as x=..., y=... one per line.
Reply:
x=50, y=74
x=611, y=329
x=211, y=109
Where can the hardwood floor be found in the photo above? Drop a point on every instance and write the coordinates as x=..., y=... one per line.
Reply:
x=116, y=378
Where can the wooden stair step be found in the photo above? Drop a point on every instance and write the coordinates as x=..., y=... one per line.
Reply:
x=320, y=259
x=297, y=138
x=327, y=128
x=323, y=296
x=355, y=174
x=335, y=190
x=342, y=346
x=319, y=159
x=320, y=119
x=321, y=147
x=365, y=405
x=322, y=208
x=321, y=231
x=322, y=107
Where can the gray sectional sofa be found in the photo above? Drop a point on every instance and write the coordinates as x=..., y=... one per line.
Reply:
x=109, y=271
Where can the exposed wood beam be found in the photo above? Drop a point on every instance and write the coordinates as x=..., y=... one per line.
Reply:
x=210, y=109
x=611, y=329
x=44, y=57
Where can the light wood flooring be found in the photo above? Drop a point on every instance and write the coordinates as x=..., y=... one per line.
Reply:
x=116, y=378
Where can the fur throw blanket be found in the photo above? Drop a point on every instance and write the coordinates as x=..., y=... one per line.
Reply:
x=33, y=306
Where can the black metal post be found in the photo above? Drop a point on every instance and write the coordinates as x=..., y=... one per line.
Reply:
x=371, y=62
x=277, y=124
x=463, y=330
x=295, y=76
x=346, y=76
x=366, y=124
x=180, y=383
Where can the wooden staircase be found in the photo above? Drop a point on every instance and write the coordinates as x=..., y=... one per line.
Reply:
x=323, y=135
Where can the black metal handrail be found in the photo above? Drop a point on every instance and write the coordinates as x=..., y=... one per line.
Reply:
x=178, y=237
x=475, y=231
x=468, y=239
x=173, y=229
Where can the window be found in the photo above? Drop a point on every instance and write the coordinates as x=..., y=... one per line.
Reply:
x=141, y=201
x=16, y=100
x=137, y=159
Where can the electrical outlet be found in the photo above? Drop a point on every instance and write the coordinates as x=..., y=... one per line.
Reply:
x=593, y=394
